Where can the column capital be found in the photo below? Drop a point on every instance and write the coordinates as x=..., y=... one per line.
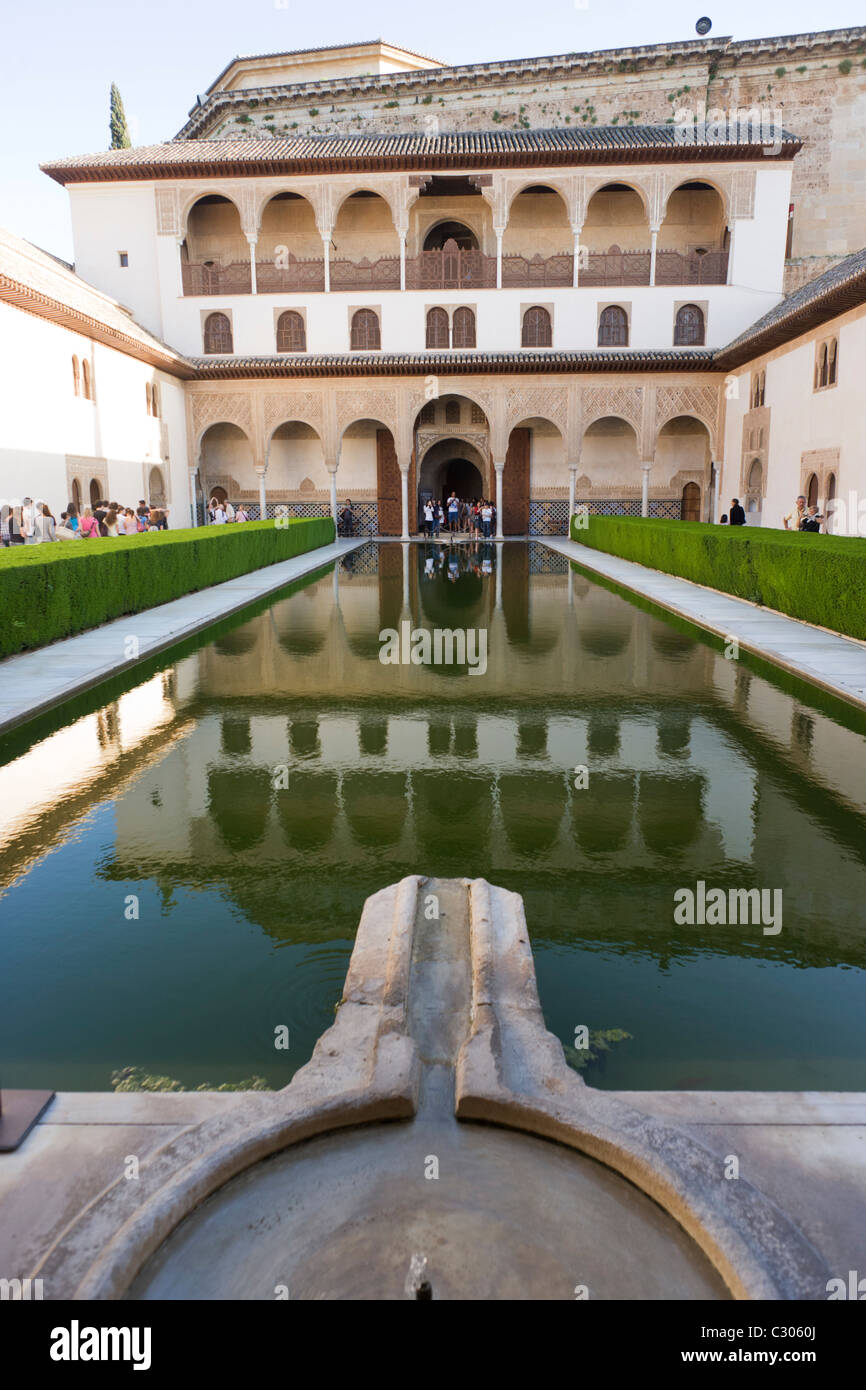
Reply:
x=499, y=466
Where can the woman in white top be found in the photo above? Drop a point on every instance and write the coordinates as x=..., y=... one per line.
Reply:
x=43, y=526
x=111, y=523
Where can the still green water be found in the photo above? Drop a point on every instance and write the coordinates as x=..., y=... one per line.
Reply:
x=169, y=902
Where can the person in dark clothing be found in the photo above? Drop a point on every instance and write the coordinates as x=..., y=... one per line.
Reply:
x=737, y=515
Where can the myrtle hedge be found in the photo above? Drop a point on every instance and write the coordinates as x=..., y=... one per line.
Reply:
x=820, y=579
x=54, y=590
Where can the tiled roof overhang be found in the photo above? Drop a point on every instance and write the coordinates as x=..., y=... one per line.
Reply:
x=43, y=306
x=841, y=288
x=461, y=151
x=448, y=363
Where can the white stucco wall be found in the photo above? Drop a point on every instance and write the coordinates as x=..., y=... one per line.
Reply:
x=43, y=422
x=803, y=421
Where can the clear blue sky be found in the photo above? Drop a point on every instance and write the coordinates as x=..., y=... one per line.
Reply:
x=62, y=58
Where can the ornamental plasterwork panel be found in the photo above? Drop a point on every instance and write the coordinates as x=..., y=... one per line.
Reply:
x=167, y=212
x=305, y=406
x=425, y=439
x=623, y=401
x=222, y=407
x=546, y=402
x=699, y=401
x=366, y=405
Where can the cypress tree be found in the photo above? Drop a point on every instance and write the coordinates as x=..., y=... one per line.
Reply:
x=117, y=122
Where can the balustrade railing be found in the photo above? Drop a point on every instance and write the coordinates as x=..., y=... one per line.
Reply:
x=216, y=279
x=451, y=270
x=294, y=275
x=471, y=269
x=522, y=272
x=691, y=267
x=383, y=274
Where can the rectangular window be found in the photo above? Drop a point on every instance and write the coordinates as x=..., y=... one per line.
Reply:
x=124, y=259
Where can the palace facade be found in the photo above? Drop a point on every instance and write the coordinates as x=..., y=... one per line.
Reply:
x=570, y=313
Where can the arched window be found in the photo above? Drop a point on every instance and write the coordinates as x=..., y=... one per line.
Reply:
x=148, y=398
x=76, y=376
x=756, y=476
x=217, y=333
x=613, y=327
x=437, y=328
x=452, y=412
x=824, y=374
x=76, y=495
x=537, y=328
x=689, y=327
x=365, y=331
x=95, y=492
x=812, y=490
x=154, y=399
x=87, y=389
x=763, y=399
x=464, y=328
x=831, y=367
x=291, y=332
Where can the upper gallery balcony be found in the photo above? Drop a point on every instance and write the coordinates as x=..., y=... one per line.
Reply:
x=451, y=242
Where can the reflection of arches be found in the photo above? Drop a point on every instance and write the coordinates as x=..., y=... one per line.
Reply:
x=532, y=809
x=452, y=817
x=690, y=503
x=375, y=807
x=236, y=643
x=236, y=734
x=673, y=732
x=669, y=810
x=443, y=232
x=603, y=639
x=307, y=809
x=239, y=801
x=601, y=813
x=670, y=644
x=304, y=738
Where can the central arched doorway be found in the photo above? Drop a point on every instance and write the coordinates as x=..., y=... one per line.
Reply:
x=449, y=468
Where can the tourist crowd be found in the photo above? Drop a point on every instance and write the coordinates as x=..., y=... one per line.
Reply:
x=476, y=519
x=33, y=523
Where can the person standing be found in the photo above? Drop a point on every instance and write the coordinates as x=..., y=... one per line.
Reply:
x=89, y=528
x=241, y=514
x=43, y=526
x=791, y=522
x=453, y=513
x=737, y=515
x=28, y=521
x=428, y=519
x=229, y=510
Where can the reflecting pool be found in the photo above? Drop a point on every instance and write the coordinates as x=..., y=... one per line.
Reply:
x=183, y=866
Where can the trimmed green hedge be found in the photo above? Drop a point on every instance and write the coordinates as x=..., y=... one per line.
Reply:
x=821, y=579
x=52, y=591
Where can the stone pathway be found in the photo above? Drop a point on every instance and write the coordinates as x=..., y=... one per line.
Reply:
x=35, y=681
x=838, y=664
